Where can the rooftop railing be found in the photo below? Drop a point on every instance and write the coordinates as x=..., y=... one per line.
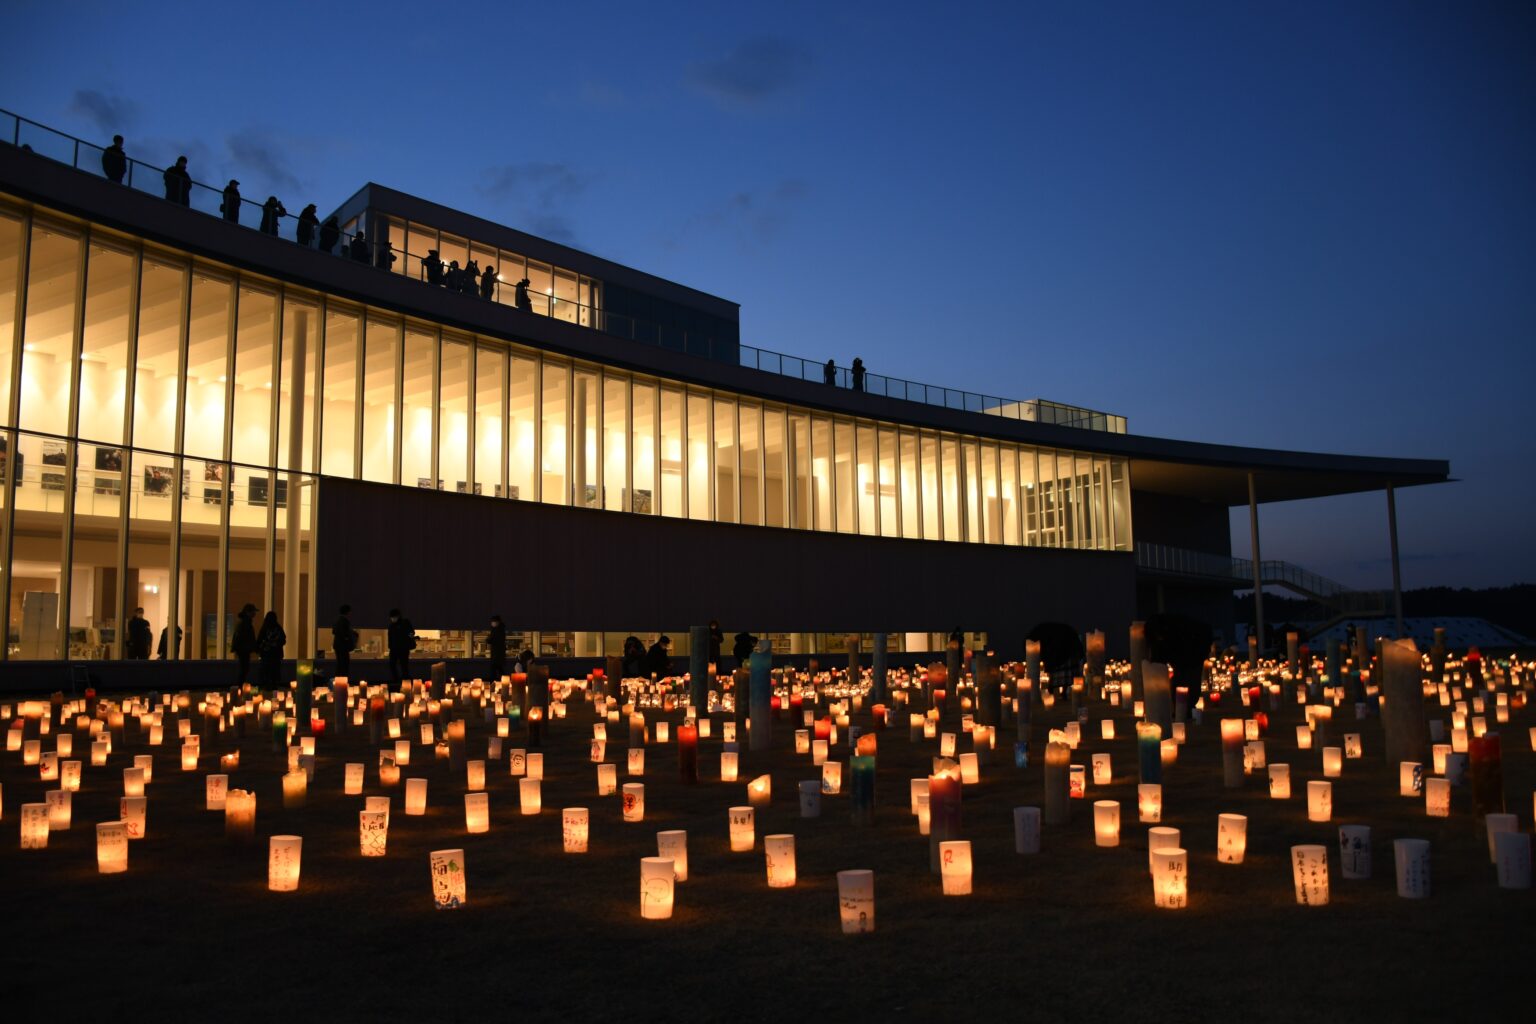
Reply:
x=144, y=177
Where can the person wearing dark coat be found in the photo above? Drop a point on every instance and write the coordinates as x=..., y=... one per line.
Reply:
x=401, y=642
x=497, y=642
x=829, y=372
x=716, y=641
x=308, y=221
x=161, y=651
x=243, y=643
x=657, y=660
x=470, y=282
x=634, y=657
x=433, y=265
x=358, y=250
x=521, y=299
x=488, y=283
x=269, y=645
x=230, y=206
x=330, y=234
x=746, y=643
x=343, y=641
x=140, y=636
x=385, y=259
x=114, y=162
x=272, y=212
x=858, y=374
x=178, y=182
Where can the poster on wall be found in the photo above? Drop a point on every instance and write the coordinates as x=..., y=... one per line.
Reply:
x=55, y=453
x=109, y=460
x=53, y=481
x=463, y=488
x=108, y=485
x=641, y=502
x=257, y=489
x=157, y=481
x=213, y=474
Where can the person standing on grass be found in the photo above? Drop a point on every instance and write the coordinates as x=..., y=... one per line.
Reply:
x=402, y=641
x=497, y=641
x=343, y=642
x=269, y=644
x=243, y=644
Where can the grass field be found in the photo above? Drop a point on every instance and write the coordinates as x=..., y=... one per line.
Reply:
x=190, y=932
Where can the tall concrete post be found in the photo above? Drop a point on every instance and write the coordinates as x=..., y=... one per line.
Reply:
x=1397, y=576
x=698, y=668
x=879, y=693
x=1258, y=575
x=762, y=697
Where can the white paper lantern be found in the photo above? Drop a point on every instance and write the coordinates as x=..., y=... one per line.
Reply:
x=607, y=779
x=1106, y=822
x=477, y=812
x=449, y=887
x=810, y=798
x=530, y=795
x=1026, y=829
x=1319, y=800
x=34, y=826
x=60, y=810
x=657, y=888
x=1437, y=798
x=373, y=832
x=111, y=847
x=1309, y=872
x=742, y=829
x=1170, y=877
x=69, y=776
x=134, y=812
x=475, y=776
x=760, y=791
x=636, y=762
x=673, y=845
x=1512, y=859
x=239, y=815
x=575, y=823
x=955, y=866
x=1103, y=774
x=1231, y=838
x=1149, y=802
x=1160, y=837
x=818, y=752
x=1412, y=859
x=856, y=901
x=296, y=786
x=634, y=801
x=1279, y=782
x=1355, y=851
x=779, y=854
x=415, y=797
x=832, y=777
x=728, y=766
x=283, y=860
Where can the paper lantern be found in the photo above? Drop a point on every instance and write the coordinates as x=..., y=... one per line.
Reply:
x=240, y=815
x=477, y=812
x=831, y=777
x=111, y=847
x=1279, y=782
x=1309, y=870
x=1168, y=751
x=1437, y=798
x=1410, y=778
x=1103, y=775
x=598, y=751
x=530, y=795
x=1232, y=752
x=574, y=829
x=1170, y=877
x=658, y=886
x=134, y=812
x=810, y=798
x=970, y=769
x=1512, y=859
x=133, y=782
x=607, y=779
x=373, y=832
x=1231, y=838
x=1493, y=824
x=403, y=753
x=634, y=801
x=742, y=829
x=449, y=890
x=636, y=762
x=1077, y=782
x=69, y=776
x=415, y=797
x=31, y=752
x=1149, y=802
x=1026, y=830
x=283, y=857
x=1303, y=737
x=353, y=779
x=535, y=766
x=1352, y=748
x=1107, y=729
x=818, y=752
x=728, y=766
x=49, y=767
x=475, y=772
x=1458, y=741
x=34, y=826
x=924, y=813
x=955, y=867
x=856, y=901
x=1160, y=837
x=64, y=744
x=947, y=745
x=99, y=750
x=60, y=810
x=296, y=787
x=802, y=741
x=1439, y=752
x=1412, y=861
x=1106, y=823
x=1355, y=851
x=760, y=791
x=1319, y=800
x=779, y=853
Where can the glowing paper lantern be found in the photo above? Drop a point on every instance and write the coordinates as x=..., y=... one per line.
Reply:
x=530, y=795
x=831, y=777
x=415, y=797
x=1106, y=823
x=1303, y=737
x=1170, y=877
x=60, y=810
x=1437, y=798
x=1410, y=778
x=657, y=888
x=1439, y=752
x=373, y=832
x=728, y=766
x=947, y=745
x=760, y=791
x=296, y=787
x=1160, y=837
x=449, y=889
x=1352, y=748
x=574, y=829
x=634, y=801
x=1231, y=838
x=856, y=901
x=955, y=867
x=99, y=751
x=818, y=752
x=607, y=779
x=636, y=762
x=970, y=770
x=134, y=812
x=1026, y=830
x=34, y=826
x=742, y=829
x=240, y=815
x=69, y=776
x=1512, y=859
x=673, y=845
x=1077, y=782
x=1412, y=860
x=477, y=812
x=1232, y=752
x=283, y=857
x=111, y=847
x=133, y=782
x=1319, y=800
x=1309, y=871
x=1107, y=729
x=1149, y=802
x=353, y=779
x=1279, y=782
x=475, y=774
x=1103, y=774
x=779, y=853
x=810, y=798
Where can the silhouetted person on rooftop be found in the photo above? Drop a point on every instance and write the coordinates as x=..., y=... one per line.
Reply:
x=451, y=275
x=272, y=211
x=330, y=233
x=433, y=265
x=488, y=283
x=858, y=374
x=521, y=298
x=178, y=183
x=471, y=279
x=829, y=372
x=230, y=207
x=307, y=224
x=359, y=247
x=385, y=258
x=114, y=162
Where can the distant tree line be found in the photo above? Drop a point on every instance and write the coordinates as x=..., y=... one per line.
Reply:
x=1511, y=607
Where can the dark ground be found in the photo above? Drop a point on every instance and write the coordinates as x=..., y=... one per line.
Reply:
x=191, y=933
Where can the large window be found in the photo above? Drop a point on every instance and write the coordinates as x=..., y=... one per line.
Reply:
x=725, y=461
x=453, y=415
x=490, y=419
x=643, y=445
x=699, y=458
x=338, y=410
x=380, y=391
x=615, y=442
x=673, y=462
x=553, y=411
x=110, y=288
x=417, y=387
x=523, y=430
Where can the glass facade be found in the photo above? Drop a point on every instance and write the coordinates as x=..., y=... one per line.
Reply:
x=165, y=420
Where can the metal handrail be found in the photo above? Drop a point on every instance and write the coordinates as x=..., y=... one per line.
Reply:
x=208, y=199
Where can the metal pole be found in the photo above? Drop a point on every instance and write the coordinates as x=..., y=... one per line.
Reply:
x=1397, y=579
x=1258, y=581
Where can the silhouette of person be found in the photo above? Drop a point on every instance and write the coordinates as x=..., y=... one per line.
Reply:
x=359, y=247
x=330, y=234
x=433, y=265
x=521, y=299
x=271, y=212
x=497, y=643
x=230, y=207
x=451, y=276
x=488, y=283
x=401, y=640
x=114, y=162
x=470, y=278
x=858, y=374
x=829, y=372
x=178, y=182
x=139, y=636
x=307, y=224
x=343, y=641
x=385, y=258
x=270, y=640
x=243, y=643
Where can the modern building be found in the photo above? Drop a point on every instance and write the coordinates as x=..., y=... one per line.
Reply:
x=195, y=414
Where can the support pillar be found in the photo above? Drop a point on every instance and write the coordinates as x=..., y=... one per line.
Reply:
x=1397, y=579
x=1258, y=579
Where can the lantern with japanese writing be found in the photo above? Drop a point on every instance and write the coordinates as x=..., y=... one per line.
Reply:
x=134, y=811
x=111, y=847
x=607, y=779
x=810, y=798
x=1170, y=877
x=448, y=884
x=1412, y=862
x=1231, y=838
x=673, y=845
x=352, y=783
x=283, y=856
x=743, y=830
x=657, y=888
x=373, y=832
x=1106, y=823
x=856, y=901
x=240, y=815
x=1309, y=871
x=1355, y=851
x=955, y=867
x=1319, y=800
x=34, y=826
x=779, y=853
x=634, y=801
x=574, y=829
x=477, y=812
x=1279, y=782
x=69, y=775
x=1149, y=802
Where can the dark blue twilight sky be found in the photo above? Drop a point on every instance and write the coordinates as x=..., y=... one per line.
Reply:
x=1301, y=225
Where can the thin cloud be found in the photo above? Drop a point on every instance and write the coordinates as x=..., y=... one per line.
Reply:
x=541, y=192
x=753, y=70
x=262, y=156
x=111, y=114
x=754, y=216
